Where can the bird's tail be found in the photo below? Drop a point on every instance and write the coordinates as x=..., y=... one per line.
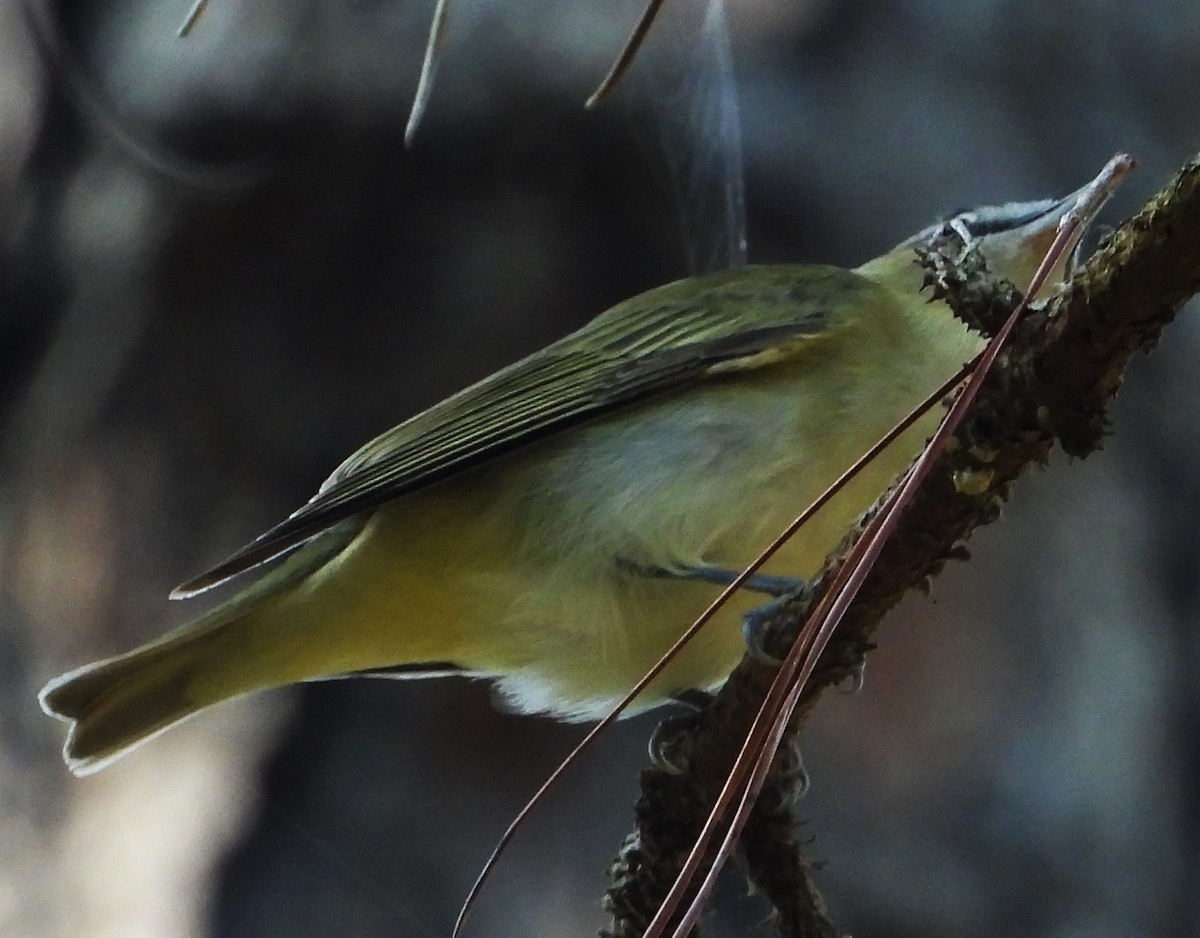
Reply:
x=116, y=704
x=323, y=611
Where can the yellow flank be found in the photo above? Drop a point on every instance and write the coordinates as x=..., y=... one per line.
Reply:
x=508, y=532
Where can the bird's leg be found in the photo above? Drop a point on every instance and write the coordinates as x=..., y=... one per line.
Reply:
x=766, y=583
x=754, y=627
x=782, y=589
x=667, y=745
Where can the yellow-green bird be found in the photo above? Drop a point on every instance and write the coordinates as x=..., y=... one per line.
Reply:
x=556, y=526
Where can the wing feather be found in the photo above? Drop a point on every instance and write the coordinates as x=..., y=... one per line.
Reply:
x=636, y=350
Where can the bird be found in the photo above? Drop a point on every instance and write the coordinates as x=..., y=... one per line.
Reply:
x=556, y=526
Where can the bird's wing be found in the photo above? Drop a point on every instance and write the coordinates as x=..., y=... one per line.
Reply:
x=655, y=343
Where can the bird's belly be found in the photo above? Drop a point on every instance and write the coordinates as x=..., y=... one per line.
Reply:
x=545, y=599
x=523, y=569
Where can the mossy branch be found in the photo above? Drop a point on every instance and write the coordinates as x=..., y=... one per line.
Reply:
x=1054, y=384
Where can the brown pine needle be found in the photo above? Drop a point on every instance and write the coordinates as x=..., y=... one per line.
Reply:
x=628, y=52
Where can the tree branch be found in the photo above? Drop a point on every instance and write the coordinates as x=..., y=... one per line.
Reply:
x=1063, y=366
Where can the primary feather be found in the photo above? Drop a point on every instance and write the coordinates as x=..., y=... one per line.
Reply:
x=656, y=342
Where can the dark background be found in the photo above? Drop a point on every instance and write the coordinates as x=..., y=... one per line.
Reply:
x=222, y=271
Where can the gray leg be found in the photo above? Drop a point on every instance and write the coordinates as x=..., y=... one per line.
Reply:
x=758, y=583
x=754, y=626
x=766, y=583
x=781, y=588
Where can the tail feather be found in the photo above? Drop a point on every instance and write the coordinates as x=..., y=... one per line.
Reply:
x=116, y=704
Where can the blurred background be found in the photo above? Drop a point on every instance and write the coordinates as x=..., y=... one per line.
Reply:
x=222, y=271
